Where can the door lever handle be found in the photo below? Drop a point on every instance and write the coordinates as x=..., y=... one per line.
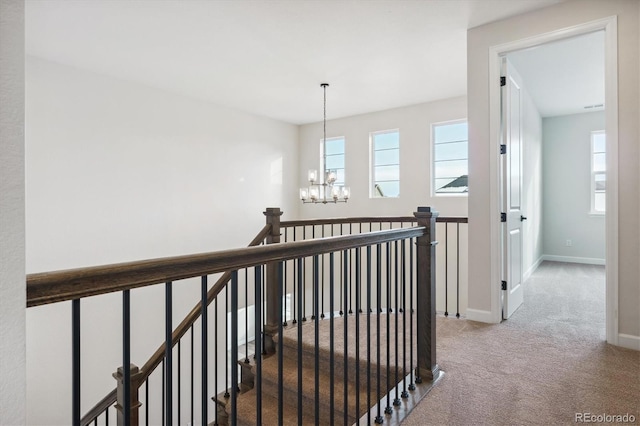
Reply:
x=522, y=218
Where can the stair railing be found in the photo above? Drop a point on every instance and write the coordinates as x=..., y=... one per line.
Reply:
x=452, y=280
x=47, y=288
x=74, y=285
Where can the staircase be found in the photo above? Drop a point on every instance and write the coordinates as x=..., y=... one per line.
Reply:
x=361, y=390
x=359, y=367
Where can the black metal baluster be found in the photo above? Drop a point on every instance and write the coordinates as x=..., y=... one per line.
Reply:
x=192, y=375
x=347, y=287
x=369, y=334
x=204, y=350
x=404, y=394
x=341, y=265
x=179, y=381
x=388, y=409
x=75, y=348
x=300, y=301
x=264, y=311
x=379, y=418
x=304, y=287
x=215, y=359
x=322, y=281
x=226, y=343
x=412, y=386
x=294, y=299
x=164, y=386
x=246, y=316
x=106, y=417
x=315, y=294
x=331, y=337
x=349, y=275
x=396, y=318
x=360, y=303
x=446, y=270
x=316, y=277
x=457, y=269
x=168, y=354
x=358, y=312
x=126, y=354
x=258, y=343
x=146, y=400
x=284, y=305
x=234, y=348
x=280, y=349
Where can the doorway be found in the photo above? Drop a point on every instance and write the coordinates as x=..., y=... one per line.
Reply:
x=513, y=261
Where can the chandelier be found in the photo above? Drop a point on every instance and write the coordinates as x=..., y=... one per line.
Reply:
x=323, y=192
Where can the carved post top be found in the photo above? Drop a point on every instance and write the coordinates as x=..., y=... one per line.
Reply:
x=272, y=211
x=135, y=373
x=273, y=218
x=425, y=213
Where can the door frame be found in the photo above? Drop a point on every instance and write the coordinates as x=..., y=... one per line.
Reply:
x=610, y=26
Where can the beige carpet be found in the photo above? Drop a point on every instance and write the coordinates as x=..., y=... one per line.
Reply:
x=546, y=363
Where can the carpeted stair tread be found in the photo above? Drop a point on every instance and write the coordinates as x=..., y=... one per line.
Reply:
x=247, y=411
x=290, y=389
x=290, y=343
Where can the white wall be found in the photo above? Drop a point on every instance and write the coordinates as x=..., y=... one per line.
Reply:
x=483, y=167
x=117, y=171
x=414, y=123
x=12, y=237
x=567, y=189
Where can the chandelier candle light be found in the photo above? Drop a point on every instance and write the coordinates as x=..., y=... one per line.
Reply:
x=324, y=192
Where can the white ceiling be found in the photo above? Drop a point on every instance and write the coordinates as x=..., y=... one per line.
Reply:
x=565, y=76
x=269, y=57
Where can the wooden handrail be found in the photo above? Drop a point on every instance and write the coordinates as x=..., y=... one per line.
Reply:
x=338, y=220
x=59, y=286
x=372, y=219
x=452, y=219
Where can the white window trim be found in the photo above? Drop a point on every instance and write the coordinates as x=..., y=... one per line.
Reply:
x=433, y=156
x=592, y=175
x=372, y=165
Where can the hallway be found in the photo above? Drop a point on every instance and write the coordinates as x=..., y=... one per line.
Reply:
x=544, y=365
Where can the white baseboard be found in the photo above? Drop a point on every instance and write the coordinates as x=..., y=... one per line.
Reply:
x=628, y=341
x=480, y=316
x=572, y=259
x=532, y=269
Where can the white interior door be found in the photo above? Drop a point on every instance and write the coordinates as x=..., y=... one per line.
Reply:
x=511, y=103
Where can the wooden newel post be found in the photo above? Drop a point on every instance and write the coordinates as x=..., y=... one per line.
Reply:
x=426, y=367
x=135, y=403
x=273, y=288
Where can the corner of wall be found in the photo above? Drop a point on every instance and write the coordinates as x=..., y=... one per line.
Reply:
x=12, y=220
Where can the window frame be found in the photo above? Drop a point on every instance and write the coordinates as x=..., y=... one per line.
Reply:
x=593, y=173
x=323, y=160
x=433, y=157
x=372, y=166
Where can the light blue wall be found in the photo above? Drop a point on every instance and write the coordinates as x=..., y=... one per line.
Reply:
x=567, y=188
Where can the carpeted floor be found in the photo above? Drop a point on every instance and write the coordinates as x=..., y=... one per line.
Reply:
x=546, y=363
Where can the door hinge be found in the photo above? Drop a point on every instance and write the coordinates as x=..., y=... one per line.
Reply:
x=503, y=81
x=503, y=149
x=504, y=285
x=503, y=217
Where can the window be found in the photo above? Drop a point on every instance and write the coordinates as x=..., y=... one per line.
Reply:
x=598, y=171
x=332, y=158
x=385, y=164
x=450, y=158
